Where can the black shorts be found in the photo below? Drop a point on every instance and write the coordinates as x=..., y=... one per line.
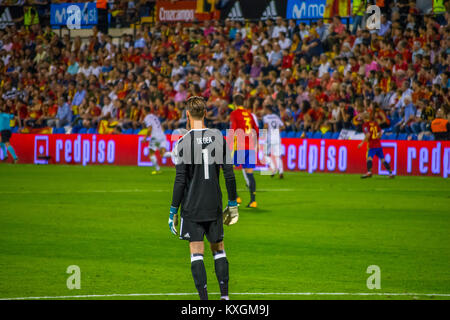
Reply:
x=195, y=231
x=6, y=135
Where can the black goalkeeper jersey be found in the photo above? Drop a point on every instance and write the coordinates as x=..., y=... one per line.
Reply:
x=198, y=156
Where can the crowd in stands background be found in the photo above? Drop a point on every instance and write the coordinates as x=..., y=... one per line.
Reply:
x=317, y=77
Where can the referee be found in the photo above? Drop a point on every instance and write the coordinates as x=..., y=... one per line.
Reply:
x=198, y=156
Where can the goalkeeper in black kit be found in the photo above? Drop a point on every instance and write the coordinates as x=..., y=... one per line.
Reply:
x=198, y=157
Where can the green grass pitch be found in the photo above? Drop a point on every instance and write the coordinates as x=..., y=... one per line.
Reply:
x=310, y=234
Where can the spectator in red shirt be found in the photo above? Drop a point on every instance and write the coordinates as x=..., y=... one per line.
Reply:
x=314, y=117
x=320, y=96
x=173, y=115
x=287, y=60
x=35, y=114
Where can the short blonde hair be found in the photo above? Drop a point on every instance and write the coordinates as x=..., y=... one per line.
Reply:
x=196, y=106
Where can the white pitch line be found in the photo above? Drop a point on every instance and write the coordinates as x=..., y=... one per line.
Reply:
x=241, y=293
x=103, y=295
x=78, y=191
x=273, y=190
x=346, y=294
x=116, y=191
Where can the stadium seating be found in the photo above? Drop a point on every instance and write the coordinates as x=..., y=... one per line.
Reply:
x=317, y=135
x=336, y=135
x=59, y=130
x=392, y=136
x=291, y=134
x=389, y=136
x=327, y=135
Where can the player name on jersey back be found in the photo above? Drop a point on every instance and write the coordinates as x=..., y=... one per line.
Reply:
x=204, y=140
x=200, y=146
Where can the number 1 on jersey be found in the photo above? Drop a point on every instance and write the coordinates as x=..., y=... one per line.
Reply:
x=206, y=162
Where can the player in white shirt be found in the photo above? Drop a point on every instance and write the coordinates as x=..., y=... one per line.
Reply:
x=157, y=139
x=273, y=125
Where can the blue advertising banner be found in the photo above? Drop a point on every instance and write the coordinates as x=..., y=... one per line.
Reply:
x=301, y=9
x=74, y=15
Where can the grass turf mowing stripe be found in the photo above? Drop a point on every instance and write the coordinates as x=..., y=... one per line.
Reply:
x=117, y=191
x=319, y=237
x=238, y=293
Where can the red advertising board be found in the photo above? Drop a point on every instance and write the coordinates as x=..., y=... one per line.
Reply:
x=84, y=149
x=405, y=157
x=431, y=158
x=183, y=11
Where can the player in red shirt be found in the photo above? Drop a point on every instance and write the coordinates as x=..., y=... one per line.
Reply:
x=372, y=130
x=244, y=137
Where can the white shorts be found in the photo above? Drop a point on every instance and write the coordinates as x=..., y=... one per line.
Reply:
x=274, y=149
x=157, y=143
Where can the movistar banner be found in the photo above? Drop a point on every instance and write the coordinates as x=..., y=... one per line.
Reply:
x=74, y=15
x=305, y=9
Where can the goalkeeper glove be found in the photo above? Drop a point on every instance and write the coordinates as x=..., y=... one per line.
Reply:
x=231, y=214
x=173, y=220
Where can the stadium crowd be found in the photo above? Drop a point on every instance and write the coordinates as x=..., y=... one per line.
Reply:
x=318, y=77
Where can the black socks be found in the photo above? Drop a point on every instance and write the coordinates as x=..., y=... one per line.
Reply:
x=369, y=165
x=252, y=186
x=199, y=275
x=221, y=266
x=387, y=166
